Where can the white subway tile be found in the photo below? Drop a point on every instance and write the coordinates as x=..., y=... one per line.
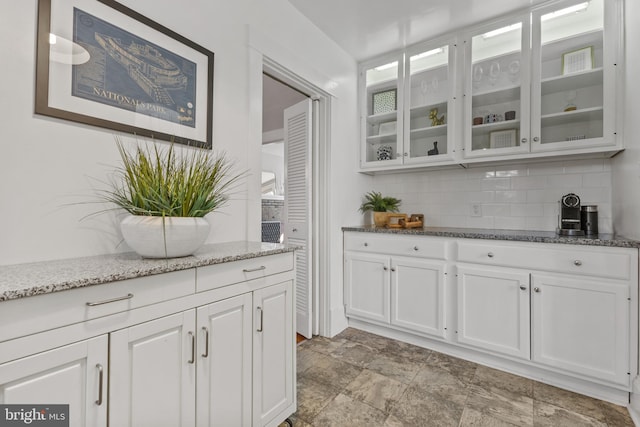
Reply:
x=527, y=209
x=496, y=209
x=496, y=183
x=546, y=168
x=528, y=182
x=480, y=172
x=510, y=196
x=509, y=223
x=512, y=170
x=541, y=223
x=568, y=181
x=602, y=179
x=480, y=196
x=480, y=222
x=582, y=166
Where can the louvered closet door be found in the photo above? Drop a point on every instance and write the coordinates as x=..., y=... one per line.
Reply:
x=297, y=142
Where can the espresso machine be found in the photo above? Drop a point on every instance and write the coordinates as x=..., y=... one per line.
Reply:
x=569, y=223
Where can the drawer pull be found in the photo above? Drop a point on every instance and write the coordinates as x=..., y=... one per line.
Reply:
x=100, y=381
x=206, y=341
x=490, y=254
x=536, y=289
x=259, y=329
x=251, y=270
x=393, y=269
x=415, y=248
x=524, y=288
x=193, y=348
x=577, y=262
x=366, y=244
x=107, y=301
x=385, y=268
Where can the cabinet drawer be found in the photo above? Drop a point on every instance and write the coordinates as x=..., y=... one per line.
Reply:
x=28, y=315
x=218, y=275
x=390, y=244
x=614, y=263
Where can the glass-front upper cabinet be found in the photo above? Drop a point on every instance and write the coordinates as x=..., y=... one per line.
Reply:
x=496, y=94
x=574, y=89
x=430, y=117
x=381, y=111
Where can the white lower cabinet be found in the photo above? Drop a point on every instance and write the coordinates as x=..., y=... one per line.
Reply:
x=224, y=356
x=405, y=292
x=561, y=313
x=74, y=374
x=581, y=325
x=493, y=309
x=224, y=363
x=273, y=353
x=153, y=376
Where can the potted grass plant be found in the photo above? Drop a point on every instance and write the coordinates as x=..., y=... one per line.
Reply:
x=167, y=193
x=380, y=205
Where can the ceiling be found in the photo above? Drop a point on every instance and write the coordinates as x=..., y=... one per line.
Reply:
x=367, y=28
x=275, y=98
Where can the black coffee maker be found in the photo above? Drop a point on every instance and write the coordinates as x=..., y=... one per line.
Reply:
x=569, y=223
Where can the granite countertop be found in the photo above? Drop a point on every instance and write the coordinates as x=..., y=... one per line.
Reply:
x=23, y=280
x=513, y=235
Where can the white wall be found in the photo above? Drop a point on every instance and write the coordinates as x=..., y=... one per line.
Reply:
x=512, y=197
x=48, y=165
x=626, y=166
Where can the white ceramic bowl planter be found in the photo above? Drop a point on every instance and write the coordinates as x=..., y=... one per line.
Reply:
x=168, y=237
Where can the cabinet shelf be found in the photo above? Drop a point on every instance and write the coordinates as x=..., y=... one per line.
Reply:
x=491, y=127
x=555, y=48
x=382, y=117
x=423, y=110
x=496, y=96
x=583, y=115
x=429, y=131
x=385, y=138
x=572, y=81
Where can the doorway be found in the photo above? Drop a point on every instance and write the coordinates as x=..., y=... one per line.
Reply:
x=283, y=81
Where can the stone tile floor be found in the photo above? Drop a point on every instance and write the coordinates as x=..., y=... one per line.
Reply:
x=361, y=379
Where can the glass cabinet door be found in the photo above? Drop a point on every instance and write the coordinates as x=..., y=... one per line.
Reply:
x=569, y=88
x=382, y=112
x=429, y=93
x=497, y=89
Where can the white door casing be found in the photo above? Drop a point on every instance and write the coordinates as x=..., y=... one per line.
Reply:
x=298, y=219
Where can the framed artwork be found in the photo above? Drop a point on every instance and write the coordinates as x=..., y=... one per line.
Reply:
x=384, y=101
x=577, y=60
x=502, y=138
x=102, y=64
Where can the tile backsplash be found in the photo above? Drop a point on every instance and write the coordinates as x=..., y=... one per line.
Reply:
x=513, y=197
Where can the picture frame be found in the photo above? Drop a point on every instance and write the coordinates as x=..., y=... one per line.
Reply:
x=384, y=101
x=578, y=60
x=502, y=138
x=387, y=128
x=102, y=64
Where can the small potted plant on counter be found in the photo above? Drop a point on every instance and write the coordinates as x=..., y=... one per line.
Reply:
x=167, y=193
x=380, y=205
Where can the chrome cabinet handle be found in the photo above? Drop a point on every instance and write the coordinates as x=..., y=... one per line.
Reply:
x=523, y=140
x=536, y=289
x=206, y=341
x=100, y=382
x=251, y=270
x=577, y=262
x=490, y=254
x=107, y=301
x=415, y=248
x=193, y=348
x=385, y=268
x=294, y=230
x=366, y=244
x=536, y=139
x=261, y=319
x=524, y=288
x=393, y=269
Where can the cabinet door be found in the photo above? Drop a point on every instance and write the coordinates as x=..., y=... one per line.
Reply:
x=381, y=84
x=493, y=309
x=152, y=380
x=430, y=114
x=224, y=363
x=367, y=286
x=273, y=354
x=497, y=94
x=75, y=374
x=573, y=85
x=582, y=326
x=417, y=295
